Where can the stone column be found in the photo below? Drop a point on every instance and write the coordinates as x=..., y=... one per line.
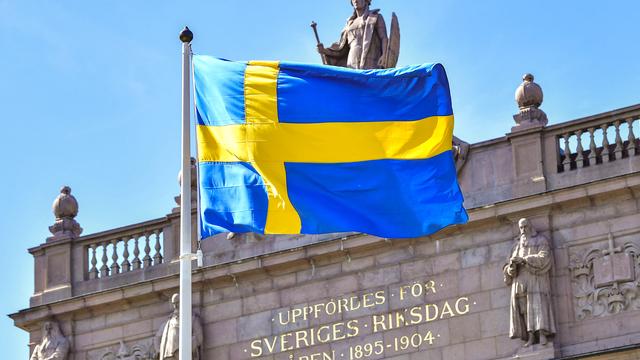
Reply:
x=527, y=141
x=53, y=259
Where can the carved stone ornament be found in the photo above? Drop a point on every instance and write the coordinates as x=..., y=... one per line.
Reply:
x=529, y=97
x=144, y=350
x=65, y=209
x=606, y=281
x=53, y=344
x=460, y=152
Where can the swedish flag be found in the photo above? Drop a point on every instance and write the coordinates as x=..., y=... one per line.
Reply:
x=286, y=148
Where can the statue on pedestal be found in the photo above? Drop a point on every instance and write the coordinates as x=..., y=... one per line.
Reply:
x=364, y=43
x=54, y=346
x=527, y=272
x=167, y=338
x=65, y=208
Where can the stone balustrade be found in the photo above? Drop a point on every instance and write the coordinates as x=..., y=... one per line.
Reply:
x=593, y=148
x=122, y=253
x=597, y=141
x=68, y=267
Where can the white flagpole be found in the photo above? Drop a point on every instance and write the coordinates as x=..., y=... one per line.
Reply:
x=186, y=256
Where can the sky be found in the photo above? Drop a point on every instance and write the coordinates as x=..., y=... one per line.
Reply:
x=90, y=91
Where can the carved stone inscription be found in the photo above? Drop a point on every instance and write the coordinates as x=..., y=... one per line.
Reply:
x=613, y=268
x=351, y=331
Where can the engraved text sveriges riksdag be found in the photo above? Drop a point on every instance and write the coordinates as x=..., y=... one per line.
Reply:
x=366, y=328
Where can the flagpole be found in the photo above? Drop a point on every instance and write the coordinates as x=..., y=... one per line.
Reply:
x=186, y=256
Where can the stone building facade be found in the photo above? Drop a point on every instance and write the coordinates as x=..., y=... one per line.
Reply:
x=355, y=296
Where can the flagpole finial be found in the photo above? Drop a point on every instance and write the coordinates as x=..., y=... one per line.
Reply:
x=186, y=35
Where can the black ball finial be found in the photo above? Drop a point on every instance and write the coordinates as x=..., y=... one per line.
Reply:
x=186, y=35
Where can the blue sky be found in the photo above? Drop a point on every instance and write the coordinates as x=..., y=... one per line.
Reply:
x=90, y=90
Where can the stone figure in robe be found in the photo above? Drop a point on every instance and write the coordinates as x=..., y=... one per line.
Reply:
x=363, y=42
x=527, y=272
x=54, y=346
x=167, y=338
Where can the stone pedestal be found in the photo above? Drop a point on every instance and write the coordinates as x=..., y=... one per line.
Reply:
x=535, y=352
x=53, y=278
x=527, y=150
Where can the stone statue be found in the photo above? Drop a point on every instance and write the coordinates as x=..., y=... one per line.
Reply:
x=54, y=346
x=194, y=182
x=65, y=209
x=527, y=272
x=167, y=338
x=364, y=43
x=460, y=152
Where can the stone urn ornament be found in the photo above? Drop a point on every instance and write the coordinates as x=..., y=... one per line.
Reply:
x=65, y=209
x=529, y=97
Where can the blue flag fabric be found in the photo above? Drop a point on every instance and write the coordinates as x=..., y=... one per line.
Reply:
x=286, y=148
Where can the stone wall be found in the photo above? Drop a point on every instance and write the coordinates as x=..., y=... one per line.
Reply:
x=243, y=302
x=354, y=296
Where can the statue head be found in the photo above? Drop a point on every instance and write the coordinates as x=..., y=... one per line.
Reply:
x=526, y=228
x=46, y=328
x=51, y=331
x=360, y=4
x=523, y=224
x=175, y=302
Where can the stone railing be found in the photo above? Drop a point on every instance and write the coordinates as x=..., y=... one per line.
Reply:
x=538, y=159
x=119, y=253
x=592, y=148
x=595, y=141
x=74, y=266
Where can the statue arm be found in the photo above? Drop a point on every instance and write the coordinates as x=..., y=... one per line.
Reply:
x=541, y=260
x=510, y=269
x=339, y=48
x=61, y=351
x=157, y=340
x=197, y=336
x=509, y=272
x=34, y=354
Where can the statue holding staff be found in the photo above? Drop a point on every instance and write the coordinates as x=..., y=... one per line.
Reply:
x=364, y=43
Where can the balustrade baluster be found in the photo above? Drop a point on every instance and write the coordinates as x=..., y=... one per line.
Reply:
x=605, y=143
x=157, y=258
x=146, y=261
x=632, y=147
x=619, y=144
x=592, y=147
x=136, y=254
x=126, y=265
x=566, y=163
x=115, y=267
x=104, y=269
x=579, y=150
x=93, y=271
